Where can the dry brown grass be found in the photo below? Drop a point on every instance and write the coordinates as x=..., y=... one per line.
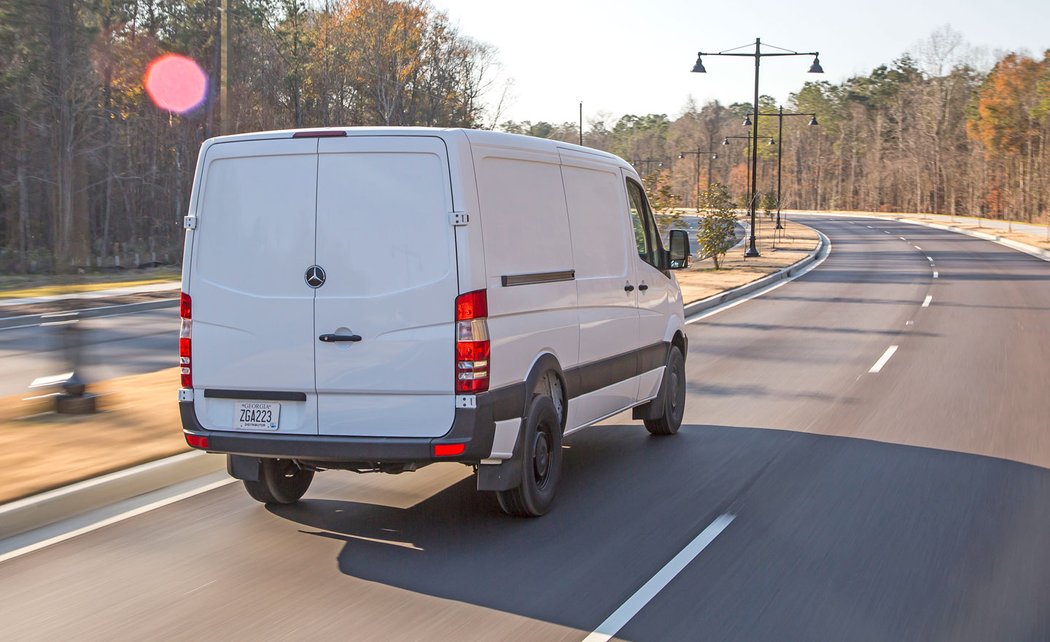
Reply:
x=794, y=243
x=40, y=450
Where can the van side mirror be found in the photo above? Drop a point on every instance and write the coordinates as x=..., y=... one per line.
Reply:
x=680, y=253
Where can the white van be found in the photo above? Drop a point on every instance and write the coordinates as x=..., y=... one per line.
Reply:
x=378, y=299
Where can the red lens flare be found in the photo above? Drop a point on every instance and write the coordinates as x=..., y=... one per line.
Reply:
x=175, y=83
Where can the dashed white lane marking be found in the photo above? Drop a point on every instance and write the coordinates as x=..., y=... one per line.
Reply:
x=886, y=231
x=621, y=616
x=935, y=274
x=926, y=303
x=918, y=248
x=930, y=259
x=909, y=323
x=869, y=227
x=883, y=359
x=902, y=238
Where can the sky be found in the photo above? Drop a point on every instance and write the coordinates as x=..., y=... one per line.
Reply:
x=621, y=57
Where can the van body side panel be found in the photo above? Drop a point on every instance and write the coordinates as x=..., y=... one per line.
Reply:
x=604, y=249
x=387, y=245
x=526, y=237
x=252, y=309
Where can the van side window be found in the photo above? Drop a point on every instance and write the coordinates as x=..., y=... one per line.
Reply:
x=645, y=233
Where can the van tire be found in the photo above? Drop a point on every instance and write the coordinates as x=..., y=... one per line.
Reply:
x=540, y=458
x=281, y=481
x=672, y=395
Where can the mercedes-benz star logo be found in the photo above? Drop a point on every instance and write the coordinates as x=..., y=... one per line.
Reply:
x=315, y=276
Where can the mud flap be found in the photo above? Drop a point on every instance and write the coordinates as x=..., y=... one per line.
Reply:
x=243, y=468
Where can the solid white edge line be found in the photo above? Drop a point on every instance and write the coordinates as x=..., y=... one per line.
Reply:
x=113, y=520
x=926, y=303
x=883, y=359
x=744, y=299
x=621, y=616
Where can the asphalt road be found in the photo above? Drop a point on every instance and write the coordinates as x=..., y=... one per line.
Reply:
x=113, y=346
x=908, y=503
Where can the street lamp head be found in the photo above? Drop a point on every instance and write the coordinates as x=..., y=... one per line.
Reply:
x=815, y=68
x=813, y=121
x=747, y=121
x=698, y=68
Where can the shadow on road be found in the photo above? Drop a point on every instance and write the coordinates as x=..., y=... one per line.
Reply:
x=835, y=538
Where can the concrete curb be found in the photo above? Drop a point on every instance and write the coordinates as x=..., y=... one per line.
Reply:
x=730, y=295
x=63, y=503
x=87, y=313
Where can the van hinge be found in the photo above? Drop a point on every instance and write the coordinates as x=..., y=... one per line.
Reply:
x=190, y=222
x=458, y=218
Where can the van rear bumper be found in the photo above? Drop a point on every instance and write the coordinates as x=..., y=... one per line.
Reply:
x=473, y=427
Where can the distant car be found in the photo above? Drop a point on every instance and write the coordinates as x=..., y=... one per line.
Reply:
x=381, y=299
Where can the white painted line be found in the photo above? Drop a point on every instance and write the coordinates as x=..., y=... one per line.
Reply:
x=926, y=303
x=909, y=323
x=113, y=520
x=918, y=248
x=930, y=259
x=883, y=359
x=902, y=238
x=869, y=227
x=621, y=616
x=782, y=282
x=886, y=231
x=935, y=274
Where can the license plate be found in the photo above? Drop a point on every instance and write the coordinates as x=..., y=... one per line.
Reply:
x=259, y=415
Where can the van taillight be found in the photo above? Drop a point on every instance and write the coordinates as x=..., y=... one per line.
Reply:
x=185, y=338
x=472, y=342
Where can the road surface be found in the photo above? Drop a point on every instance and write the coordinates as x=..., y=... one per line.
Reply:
x=114, y=346
x=865, y=457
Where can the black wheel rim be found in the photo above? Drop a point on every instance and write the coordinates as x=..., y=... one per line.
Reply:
x=541, y=457
x=676, y=393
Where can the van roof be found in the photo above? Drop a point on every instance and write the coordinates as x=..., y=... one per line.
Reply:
x=480, y=136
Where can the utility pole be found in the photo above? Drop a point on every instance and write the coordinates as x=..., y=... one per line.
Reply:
x=224, y=126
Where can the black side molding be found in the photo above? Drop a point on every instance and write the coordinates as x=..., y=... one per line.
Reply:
x=259, y=395
x=537, y=277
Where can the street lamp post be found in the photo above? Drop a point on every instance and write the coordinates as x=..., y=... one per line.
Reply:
x=710, y=160
x=780, y=136
x=758, y=54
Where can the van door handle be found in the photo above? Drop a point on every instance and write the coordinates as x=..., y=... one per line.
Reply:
x=330, y=338
x=628, y=288
x=643, y=287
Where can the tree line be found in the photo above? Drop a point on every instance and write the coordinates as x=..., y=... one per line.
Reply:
x=91, y=170
x=932, y=132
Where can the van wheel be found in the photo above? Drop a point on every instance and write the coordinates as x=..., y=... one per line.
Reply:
x=540, y=462
x=673, y=398
x=281, y=481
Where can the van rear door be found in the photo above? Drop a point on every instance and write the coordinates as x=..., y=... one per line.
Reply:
x=385, y=241
x=253, y=313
